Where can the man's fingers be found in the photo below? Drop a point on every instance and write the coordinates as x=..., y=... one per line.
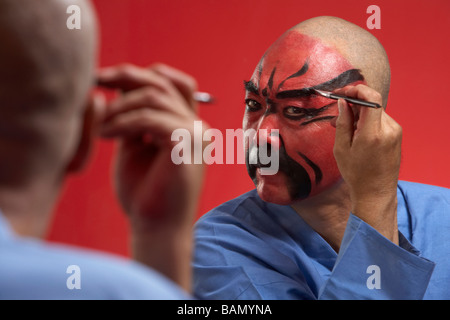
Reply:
x=369, y=122
x=140, y=122
x=129, y=77
x=368, y=119
x=393, y=131
x=159, y=80
x=342, y=91
x=344, y=126
x=146, y=97
x=363, y=92
x=185, y=83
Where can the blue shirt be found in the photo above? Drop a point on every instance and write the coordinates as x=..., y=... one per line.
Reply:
x=251, y=249
x=33, y=269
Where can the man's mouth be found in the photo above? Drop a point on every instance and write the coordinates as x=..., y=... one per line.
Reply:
x=254, y=161
x=260, y=165
x=298, y=181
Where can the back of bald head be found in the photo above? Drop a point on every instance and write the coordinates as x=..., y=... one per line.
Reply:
x=46, y=74
x=40, y=57
x=357, y=45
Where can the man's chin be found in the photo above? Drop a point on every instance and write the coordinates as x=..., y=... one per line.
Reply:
x=273, y=188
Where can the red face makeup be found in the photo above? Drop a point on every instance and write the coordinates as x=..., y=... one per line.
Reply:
x=278, y=96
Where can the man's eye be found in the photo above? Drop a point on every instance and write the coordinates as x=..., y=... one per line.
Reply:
x=252, y=105
x=294, y=112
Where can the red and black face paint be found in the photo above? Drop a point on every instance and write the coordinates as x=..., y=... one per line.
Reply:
x=279, y=96
x=299, y=183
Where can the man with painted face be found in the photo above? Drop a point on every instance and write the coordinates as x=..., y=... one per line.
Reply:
x=334, y=222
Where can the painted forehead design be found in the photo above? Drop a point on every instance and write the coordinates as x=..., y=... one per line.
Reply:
x=345, y=78
x=312, y=67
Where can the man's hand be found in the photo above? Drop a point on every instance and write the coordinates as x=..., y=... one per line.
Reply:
x=159, y=197
x=368, y=153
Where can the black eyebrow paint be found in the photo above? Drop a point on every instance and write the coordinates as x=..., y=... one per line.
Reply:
x=299, y=73
x=345, y=78
x=251, y=87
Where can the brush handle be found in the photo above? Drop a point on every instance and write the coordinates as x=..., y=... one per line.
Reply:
x=355, y=101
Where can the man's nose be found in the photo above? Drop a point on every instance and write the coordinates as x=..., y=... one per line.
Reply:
x=268, y=131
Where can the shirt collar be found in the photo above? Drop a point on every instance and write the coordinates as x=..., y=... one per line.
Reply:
x=311, y=242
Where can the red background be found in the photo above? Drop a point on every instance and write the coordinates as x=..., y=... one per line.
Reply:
x=220, y=43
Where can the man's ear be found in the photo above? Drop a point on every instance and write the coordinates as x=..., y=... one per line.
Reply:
x=91, y=120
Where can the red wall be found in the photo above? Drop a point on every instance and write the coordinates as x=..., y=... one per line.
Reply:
x=220, y=43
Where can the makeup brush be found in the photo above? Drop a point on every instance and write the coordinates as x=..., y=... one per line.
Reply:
x=204, y=97
x=333, y=96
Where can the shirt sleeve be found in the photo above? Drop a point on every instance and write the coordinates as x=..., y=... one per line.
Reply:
x=369, y=266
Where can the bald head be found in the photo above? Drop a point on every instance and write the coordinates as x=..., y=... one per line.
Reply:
x=46, y=73
x=358, y=46
x=38, y=52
